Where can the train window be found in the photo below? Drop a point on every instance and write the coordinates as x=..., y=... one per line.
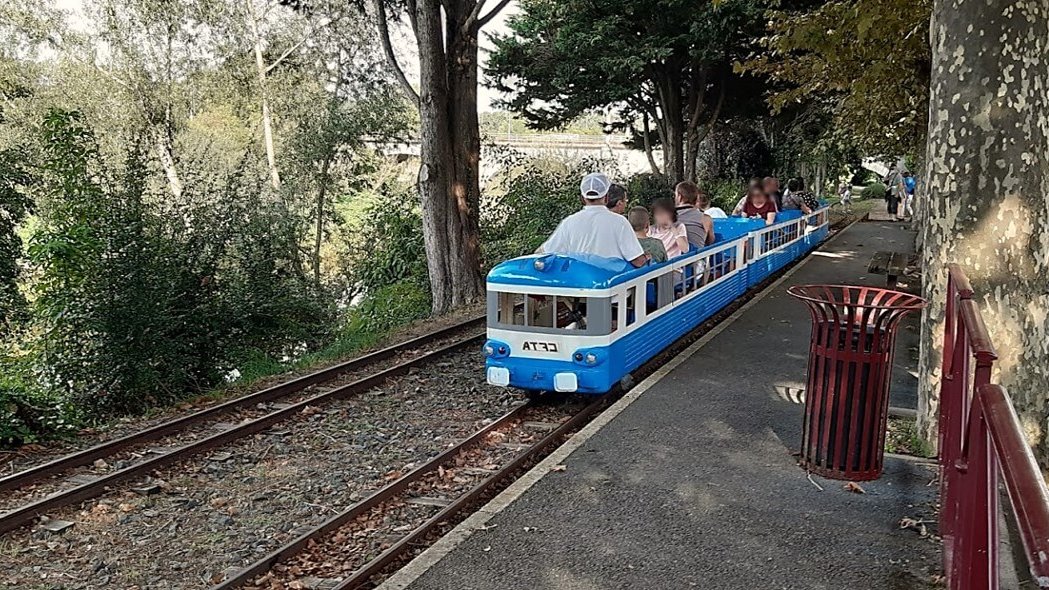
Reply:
x=512, y=309
x=659, y=291
x=571, y=313
x=541, y=310
x=631, y=305
x=614, y=309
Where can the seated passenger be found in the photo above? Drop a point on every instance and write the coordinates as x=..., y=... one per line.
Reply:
x=686, y=194
x=798, y=197
x=638, y=218
x=668, y=229
x=754, y=182
x=617, y=199
x=759, y=206
x=596, y=230
x=704, y=205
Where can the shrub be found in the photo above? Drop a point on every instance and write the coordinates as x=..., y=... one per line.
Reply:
x=646, y=187
x=524, y=206
x=724, y=193
x=28, y=415
x=143, y=298
x=874, y=190
x=389, y=307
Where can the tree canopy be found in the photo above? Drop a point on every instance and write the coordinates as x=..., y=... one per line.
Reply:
x=668, y=61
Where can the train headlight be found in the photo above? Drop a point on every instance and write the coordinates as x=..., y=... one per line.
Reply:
x=496, y=350
x=589, y=357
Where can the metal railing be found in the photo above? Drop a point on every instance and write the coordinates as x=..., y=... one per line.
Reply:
x=981, y=439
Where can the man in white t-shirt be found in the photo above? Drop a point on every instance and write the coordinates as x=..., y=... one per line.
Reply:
x=596, y=230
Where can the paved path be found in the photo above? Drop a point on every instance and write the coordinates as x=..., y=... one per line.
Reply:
x=693, y=484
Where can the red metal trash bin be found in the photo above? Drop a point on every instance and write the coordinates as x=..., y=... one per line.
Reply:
x=850, y=365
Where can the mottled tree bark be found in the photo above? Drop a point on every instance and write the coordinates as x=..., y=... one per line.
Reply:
x=987, y=192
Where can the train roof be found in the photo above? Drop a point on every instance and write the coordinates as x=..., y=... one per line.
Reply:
x=576, y=271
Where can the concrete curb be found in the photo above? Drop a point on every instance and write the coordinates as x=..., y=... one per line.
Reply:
x=478, y=521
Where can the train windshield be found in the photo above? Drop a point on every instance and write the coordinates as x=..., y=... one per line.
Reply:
x=547, y=313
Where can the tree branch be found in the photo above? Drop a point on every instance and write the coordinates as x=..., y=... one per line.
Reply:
x=391, y=57
x=484, y=20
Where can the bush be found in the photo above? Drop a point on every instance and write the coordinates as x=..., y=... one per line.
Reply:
x=724, y=193
x=27, y=415
x=390, y=307
x=874, y=190
x=646, y=187
x=524, y=208
x=143, y=298
x=389, y=243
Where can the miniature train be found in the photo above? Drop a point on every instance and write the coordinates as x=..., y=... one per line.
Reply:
x=581, y=323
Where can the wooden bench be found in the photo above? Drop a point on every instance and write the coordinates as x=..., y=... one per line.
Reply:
x=890, y=264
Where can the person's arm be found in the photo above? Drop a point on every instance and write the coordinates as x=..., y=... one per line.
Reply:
x=629, y=244
x=708, y=224
x=682, y=239
x=739, y=206
x=770, y=218
x=640, y=261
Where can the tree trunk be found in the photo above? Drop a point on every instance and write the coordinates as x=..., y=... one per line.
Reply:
x=987, y=181
x=267, y=117
x=647, y=138
x=449, y=149
x=167, y=162
x=318, y=239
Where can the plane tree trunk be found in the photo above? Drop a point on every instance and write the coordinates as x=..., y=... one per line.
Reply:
x=986, y=200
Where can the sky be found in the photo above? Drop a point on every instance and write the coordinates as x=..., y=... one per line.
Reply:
x=403, y=44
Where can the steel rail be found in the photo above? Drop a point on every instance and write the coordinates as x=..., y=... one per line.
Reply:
x=106, y=449
x=375, y=566
x=381, y=495
x=20, y=516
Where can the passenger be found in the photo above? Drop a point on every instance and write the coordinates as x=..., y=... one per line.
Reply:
x=595, y=229
x=704, y=205
x=668, y=229
x=759, y=206
x=754, y=183
x=686, y=194
x=638, y=218
x=771, y=186
x=798, y=198
x=617, y=201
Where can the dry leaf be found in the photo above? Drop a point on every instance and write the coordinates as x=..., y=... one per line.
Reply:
x=854, y=488
x=559, y=468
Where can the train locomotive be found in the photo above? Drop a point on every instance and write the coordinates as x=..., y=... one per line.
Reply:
x=581, y=323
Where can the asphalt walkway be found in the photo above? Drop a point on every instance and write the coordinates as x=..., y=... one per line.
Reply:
x=693, y=483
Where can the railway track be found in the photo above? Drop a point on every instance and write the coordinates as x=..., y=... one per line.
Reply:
x=256, y=412
x=350, y=548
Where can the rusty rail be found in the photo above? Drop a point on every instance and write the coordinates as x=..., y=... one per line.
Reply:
x=980, y=440
x=111, y=447
x=27, y=513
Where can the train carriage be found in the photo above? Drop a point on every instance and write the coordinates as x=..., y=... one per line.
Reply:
x=580, y=323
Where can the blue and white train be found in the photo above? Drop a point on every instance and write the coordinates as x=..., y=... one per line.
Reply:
x=581, y=323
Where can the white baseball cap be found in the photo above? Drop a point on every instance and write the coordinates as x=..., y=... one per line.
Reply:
x=594, y=186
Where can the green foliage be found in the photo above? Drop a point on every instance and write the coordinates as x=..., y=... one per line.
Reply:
x=27, y=414
x=143, y=300
x=646, y=187
x=390, y=306
x=875, y=190
x=535, y=195
x=388, y=247
x=865, y=63
x=724, y=193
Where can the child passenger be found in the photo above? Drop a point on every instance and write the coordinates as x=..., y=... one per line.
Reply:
x=638, y=218
x=667, y=229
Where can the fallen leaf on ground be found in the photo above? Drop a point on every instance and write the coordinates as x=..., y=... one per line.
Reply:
x=559, y=468
x=854, y=488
